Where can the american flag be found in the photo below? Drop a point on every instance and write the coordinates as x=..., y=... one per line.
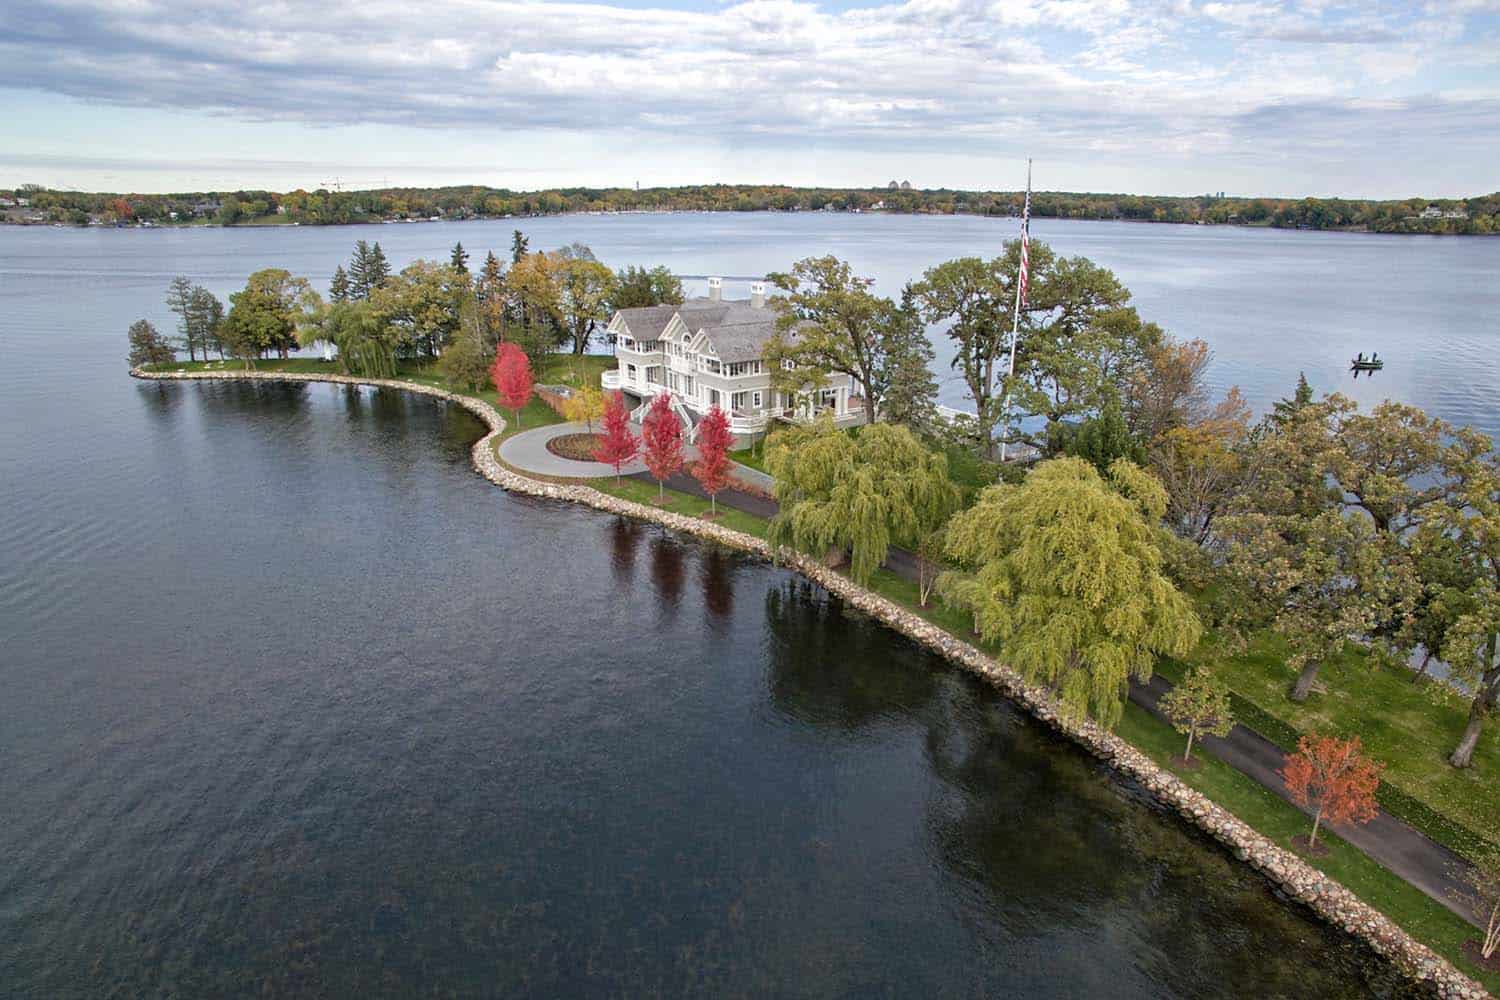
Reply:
x=1026, y=241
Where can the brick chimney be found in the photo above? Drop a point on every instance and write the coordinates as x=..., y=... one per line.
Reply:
x=758, y=295
x=715, y=289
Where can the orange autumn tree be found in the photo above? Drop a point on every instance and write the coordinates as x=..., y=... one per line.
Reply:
x=1333, y=778
x=712, y=468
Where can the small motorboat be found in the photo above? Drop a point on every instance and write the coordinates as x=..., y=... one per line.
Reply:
x=1360, y=363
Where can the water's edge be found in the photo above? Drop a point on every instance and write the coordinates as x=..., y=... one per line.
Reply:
x=1331, y=901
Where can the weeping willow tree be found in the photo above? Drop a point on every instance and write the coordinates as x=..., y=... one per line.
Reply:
x=366, y=341
x=860, y=493
x=1067, y=575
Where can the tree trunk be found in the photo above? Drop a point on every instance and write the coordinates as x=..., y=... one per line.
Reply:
x=1426, y=659
x=1305, y=680
x=1463, y=754
x=1188, y=753
x=869, y=406
x=1485, y=693
x=1313, y=839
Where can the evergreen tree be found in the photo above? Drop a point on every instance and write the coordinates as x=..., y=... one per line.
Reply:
x=519, y=247
x=1283, y=410
x=911, y=388
x=339, y=287
x=1099, y=440
x=205, y=317
x=179, y=296
x=460, y=259
x=359, y=271
x=380, y=268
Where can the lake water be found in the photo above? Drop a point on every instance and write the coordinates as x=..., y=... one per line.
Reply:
x=1269, y=302
x=296, y=704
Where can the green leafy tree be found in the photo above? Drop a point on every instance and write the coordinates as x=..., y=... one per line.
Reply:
x=1066, y=573
x=585, y=288
x=265, y=315
x=974, y=298
x=830, y=323
x=1199, y=706
x=366, y=341
x=148, y=347
x=465, y=362
x=861, y=493
x=639, y=286
x=1471, y=608
x=423, y=304
x=1317, y=580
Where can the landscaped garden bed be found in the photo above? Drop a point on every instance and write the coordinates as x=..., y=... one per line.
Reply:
x=578, y=447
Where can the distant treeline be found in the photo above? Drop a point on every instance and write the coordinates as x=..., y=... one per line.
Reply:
x=34, y=204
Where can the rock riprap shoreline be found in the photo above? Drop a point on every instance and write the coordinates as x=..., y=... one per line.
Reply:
x=1292, y=875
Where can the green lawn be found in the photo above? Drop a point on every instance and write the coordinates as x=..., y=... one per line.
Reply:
x=1411, y=728
x=754, y=457
x=681, y=503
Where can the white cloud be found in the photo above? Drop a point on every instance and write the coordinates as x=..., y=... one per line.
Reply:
x=1148, y=78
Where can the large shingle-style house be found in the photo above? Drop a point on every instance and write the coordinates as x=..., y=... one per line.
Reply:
x=707, y=352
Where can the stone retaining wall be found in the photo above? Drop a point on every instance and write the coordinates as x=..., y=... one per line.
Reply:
x=1299, y=880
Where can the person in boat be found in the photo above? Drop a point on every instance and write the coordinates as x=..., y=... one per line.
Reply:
x=1374, y=357
x=1359, y=358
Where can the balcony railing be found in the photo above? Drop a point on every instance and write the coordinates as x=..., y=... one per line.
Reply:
x=611, y=379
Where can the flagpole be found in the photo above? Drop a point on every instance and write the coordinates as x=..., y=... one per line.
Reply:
x=1015, y=316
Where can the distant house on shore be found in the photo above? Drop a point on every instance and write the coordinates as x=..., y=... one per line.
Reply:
x=709, y=352
x=1436, y=211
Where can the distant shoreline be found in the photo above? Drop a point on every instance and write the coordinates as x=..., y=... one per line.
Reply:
x=180, y=226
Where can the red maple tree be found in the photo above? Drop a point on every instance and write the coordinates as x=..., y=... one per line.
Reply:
x=712, y=468
x=511, y=373
x=661, y=433
x=1334, y=778
x=617, y=445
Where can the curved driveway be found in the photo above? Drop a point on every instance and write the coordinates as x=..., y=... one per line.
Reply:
x=528, y=452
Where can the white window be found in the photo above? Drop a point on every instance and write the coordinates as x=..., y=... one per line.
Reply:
x=828, y=398
x=737, y=402
x=713, y=397
x=755, y=397
x=630, y=372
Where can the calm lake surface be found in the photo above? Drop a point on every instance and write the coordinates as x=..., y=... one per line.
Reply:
x=296, y=704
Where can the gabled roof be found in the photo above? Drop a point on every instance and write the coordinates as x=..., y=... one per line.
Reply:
x=736, y=330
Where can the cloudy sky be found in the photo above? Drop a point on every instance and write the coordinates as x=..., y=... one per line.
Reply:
x=1368, y=99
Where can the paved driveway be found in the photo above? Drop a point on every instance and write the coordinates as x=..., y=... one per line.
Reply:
x=528, y=452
